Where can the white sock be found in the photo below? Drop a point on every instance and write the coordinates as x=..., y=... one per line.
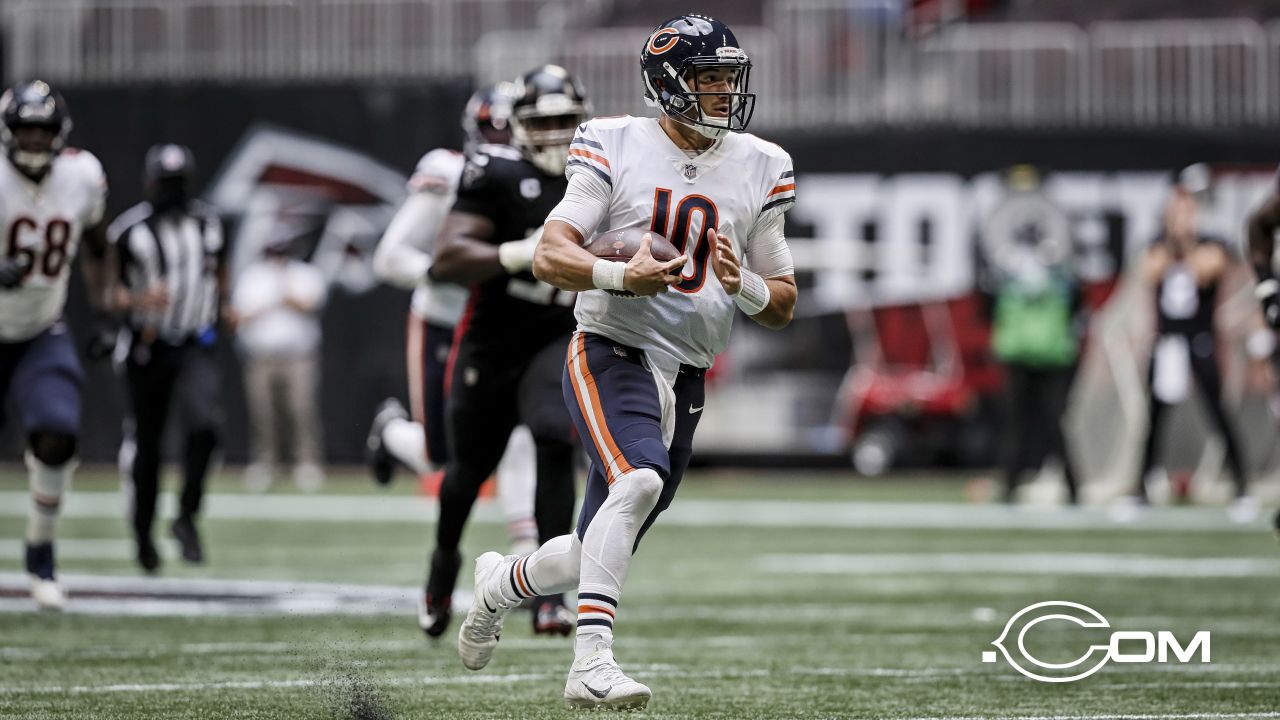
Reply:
x=606, y=555
x=517, y=479
x=552, y=568
x=48, y=484
x=406, y=440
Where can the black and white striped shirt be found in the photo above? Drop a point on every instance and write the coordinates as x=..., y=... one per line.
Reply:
x=181, y=251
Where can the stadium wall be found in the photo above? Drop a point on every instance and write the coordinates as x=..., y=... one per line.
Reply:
x=393, y=124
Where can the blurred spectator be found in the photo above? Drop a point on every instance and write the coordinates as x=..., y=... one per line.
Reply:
x=171, y=284
x=276, y=303
x=1027, y=242
x=1184, y=268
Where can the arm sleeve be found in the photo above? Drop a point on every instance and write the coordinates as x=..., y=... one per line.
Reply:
x=403, y=255
x=436, y=172
x=767, y=252
x=585, y=203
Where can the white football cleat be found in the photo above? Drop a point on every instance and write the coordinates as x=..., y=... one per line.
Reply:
x=596, y=682
x=47, y=593
x=479, y=633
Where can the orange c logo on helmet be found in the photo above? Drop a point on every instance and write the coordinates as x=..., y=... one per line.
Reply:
x=656, y=44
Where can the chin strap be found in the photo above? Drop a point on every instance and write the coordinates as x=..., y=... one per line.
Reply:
x=707, y=131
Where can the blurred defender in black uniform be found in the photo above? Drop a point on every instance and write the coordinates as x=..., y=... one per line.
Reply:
x=511, y=342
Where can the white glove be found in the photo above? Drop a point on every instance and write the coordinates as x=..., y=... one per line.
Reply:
x=517, y=256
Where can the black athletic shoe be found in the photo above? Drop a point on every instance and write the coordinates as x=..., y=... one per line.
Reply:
x=434, y=617
x=551, y=617
x=184, y=530
x=148, y=558
x=381, y=464
x=436, y=609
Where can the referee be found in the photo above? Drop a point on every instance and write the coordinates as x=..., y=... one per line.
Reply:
x=171, y=284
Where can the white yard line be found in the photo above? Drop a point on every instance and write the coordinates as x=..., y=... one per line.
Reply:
x=1057, y=564
x=374, y=681
x=688, y=512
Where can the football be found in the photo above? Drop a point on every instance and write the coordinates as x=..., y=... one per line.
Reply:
x=623, y=244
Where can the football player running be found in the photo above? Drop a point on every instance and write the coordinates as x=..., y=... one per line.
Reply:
x=51, y=197
x=403, y=259
x=635, y=368
x=504, y=369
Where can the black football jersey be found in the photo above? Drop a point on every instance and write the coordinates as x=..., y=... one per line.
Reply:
x=513, y=315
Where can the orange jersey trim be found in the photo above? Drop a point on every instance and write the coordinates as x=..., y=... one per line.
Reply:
x=598, y=158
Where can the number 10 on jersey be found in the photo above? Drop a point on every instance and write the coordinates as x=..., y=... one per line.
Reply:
x=694, y=275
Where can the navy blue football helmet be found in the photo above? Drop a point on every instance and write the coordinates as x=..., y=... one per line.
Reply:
x=33, y=104
x=670, y=63
x=549, y=105
x=487, y=117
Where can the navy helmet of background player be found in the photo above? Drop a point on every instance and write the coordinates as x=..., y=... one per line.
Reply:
x=548, y=107
x=51, y=198
x=486, y=119
x=669, y=63
x=33, y=105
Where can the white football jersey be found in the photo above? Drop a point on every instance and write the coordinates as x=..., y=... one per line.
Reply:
x=657, y=186
x=438, y=172
x=44, y=221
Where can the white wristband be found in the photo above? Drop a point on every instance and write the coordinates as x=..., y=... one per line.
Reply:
x=609, y=274
x=753, y=295
x=517, y=256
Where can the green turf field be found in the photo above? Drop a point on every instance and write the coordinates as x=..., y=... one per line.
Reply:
x=774, y=595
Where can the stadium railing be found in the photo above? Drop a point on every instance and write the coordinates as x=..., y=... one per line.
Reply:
x=818, y=62
x=113, y=41
x=1029, y=74
x=1202, y=73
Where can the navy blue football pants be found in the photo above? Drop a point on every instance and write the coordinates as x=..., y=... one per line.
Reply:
x=613, y=399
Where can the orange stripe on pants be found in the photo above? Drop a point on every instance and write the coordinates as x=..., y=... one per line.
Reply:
x=592, y=409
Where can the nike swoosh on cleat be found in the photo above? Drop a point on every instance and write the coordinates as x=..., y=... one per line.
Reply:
x=695, y=410
x=602, y=694
x=486, y=606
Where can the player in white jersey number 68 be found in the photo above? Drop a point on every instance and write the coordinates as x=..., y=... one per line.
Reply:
x=51, y=197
